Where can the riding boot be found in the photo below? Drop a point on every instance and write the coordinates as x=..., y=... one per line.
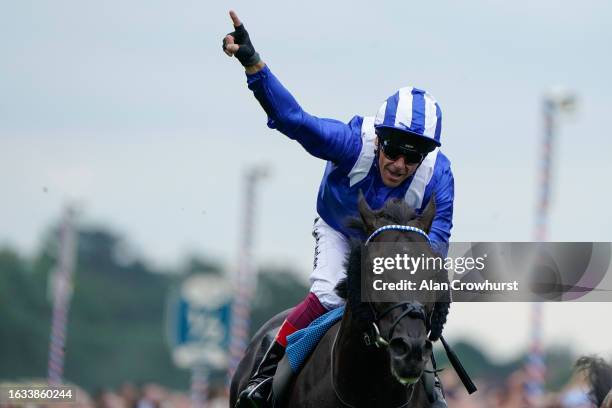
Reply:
x=258, y=393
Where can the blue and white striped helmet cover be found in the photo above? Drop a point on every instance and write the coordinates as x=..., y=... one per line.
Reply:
x=411, y=110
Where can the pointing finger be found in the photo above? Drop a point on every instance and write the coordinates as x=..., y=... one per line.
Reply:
x=235, y=20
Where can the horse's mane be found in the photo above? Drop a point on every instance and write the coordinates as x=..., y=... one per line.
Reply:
x=599, y=375
x=349, y=288
x=395, y=211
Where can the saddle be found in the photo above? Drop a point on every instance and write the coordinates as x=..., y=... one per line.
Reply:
x=281, y=382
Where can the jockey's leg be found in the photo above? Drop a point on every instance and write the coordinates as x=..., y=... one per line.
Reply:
x=331, y=250
x=258, y=391
x=301, y=316
x=330, y=253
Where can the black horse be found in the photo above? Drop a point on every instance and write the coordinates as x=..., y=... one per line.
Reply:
x=375, y=356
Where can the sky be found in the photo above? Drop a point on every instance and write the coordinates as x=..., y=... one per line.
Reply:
x=132, y=111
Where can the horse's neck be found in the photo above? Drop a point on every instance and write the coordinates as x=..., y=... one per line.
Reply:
x=362, y=374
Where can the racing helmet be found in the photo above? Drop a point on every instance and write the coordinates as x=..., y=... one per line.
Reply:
x=410, y=112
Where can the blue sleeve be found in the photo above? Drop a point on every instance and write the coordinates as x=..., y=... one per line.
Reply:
x=326, y=139
x=443, y=220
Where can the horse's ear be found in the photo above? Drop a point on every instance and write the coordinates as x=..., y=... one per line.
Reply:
x=366, y=213
x=428, y=214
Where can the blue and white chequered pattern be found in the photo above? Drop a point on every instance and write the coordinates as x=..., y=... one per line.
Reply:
x=301, y=343
x=397, y=228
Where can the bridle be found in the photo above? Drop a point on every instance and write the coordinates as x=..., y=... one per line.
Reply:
x=409, y=309
x=414, y=310
x=394, y=227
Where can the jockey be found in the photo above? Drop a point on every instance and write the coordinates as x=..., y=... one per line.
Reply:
x=392, y=155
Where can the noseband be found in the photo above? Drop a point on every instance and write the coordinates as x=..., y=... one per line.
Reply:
x=414, y=310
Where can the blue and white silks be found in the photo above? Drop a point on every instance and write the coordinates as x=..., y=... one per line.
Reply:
x=349, y=149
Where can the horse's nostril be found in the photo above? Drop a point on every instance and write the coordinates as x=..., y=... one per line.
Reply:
x=399, y=346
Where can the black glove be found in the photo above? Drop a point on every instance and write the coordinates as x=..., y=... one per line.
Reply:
x=246, y=53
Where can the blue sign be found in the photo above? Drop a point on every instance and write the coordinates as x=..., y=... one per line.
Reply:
x=197, y=324
x=199, y=321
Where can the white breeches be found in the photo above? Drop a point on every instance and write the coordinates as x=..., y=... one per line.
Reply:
x=331, y=249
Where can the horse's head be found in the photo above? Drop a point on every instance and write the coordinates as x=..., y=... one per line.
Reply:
x=405, y=328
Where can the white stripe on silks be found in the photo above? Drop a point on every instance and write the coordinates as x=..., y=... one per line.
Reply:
x=430, y=117
x=380, y=116
x=404, y=107
x=416, y=191
x=361, y=168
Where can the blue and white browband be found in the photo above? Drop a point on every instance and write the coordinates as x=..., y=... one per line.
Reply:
x=397, y=228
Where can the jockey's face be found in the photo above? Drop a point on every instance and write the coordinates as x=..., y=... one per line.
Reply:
x=394, y=172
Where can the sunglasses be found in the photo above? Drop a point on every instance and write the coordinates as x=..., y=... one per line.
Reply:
x=393, y=152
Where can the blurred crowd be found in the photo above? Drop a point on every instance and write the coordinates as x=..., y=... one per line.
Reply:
x=590, y=386
x=128, y=395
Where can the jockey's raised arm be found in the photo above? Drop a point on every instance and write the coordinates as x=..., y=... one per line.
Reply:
x=327, y=139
